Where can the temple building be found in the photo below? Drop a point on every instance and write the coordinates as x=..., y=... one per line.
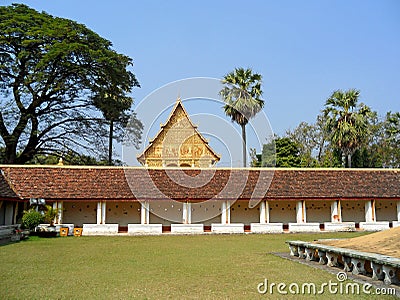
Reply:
x=178, y=144
x=177, y=190
x=108, y=200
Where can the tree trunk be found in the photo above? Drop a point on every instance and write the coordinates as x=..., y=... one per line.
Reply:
x=110, y=142
x=349, y=160
x=10, y=154
x=244, y=146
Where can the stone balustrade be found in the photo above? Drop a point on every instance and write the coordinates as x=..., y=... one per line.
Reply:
x=379, y=267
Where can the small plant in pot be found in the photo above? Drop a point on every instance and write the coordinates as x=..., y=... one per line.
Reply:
x=33, y=217
x=49, y=214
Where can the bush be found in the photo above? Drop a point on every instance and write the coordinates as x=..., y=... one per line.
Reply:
x=49, y=214
x=31, y=219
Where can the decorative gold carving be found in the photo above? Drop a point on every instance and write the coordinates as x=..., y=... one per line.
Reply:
x=178, y=144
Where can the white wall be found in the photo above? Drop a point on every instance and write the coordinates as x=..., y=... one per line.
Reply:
x=123, y=213
x=353, y=211
x=7, y=212
x=318, y=211
x=169, y=209
x=241, y=213
x=2, y=211
x=206, y=212
x=386, y=210
x=79, y=213
x=282, y=211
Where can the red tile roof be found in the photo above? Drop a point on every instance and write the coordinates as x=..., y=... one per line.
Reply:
x=6, y=192
x=122, y=184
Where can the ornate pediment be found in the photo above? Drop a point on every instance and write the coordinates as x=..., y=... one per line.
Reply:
x=178, y=144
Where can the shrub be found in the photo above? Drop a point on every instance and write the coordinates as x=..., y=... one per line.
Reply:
x=49, y=214
x=31, y=219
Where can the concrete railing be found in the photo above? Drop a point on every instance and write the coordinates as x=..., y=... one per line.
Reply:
x=379, y=267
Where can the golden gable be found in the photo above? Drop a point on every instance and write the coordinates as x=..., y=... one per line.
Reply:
x=178, y=144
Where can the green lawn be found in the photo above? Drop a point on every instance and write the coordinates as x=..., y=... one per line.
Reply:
x=155, y=267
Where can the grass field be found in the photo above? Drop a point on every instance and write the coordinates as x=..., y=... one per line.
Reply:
x=156, y=267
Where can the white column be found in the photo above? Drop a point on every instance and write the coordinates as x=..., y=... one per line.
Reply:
x=189, y=215
x=15, y=213
x=370, y=211
x=336, y=216
x=223, y=212
x=60, y=212
x=144, y=212
x=301, y=211
x=398, y=211
x=103, y=212
x=148, y=212
x=226, y=212
x=55, y=206
x=184, y=213
x=98, y=219
x=262, y=212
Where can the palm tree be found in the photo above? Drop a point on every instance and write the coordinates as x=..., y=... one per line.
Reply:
x=242, y=95
x=346, y=122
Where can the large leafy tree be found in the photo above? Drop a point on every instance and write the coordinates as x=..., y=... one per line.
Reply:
x=121, y=120
x=389, y=142
x=314, y=148
x=51, y=70
x=281, y=152
x=242, y=96
x=347, y=122
x=306, y=136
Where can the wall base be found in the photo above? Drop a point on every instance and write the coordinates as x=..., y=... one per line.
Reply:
x=396, y=224
x=135, y=229
x=343, y=226
x=227, y=228
x=266, y=228
x=374, y=226
x=100, y=229
x=304, y=227
x=187, y=228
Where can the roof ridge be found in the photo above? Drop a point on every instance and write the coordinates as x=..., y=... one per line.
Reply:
x=2, y=166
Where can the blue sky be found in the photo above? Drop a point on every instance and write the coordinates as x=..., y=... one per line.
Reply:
x=304, y=49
